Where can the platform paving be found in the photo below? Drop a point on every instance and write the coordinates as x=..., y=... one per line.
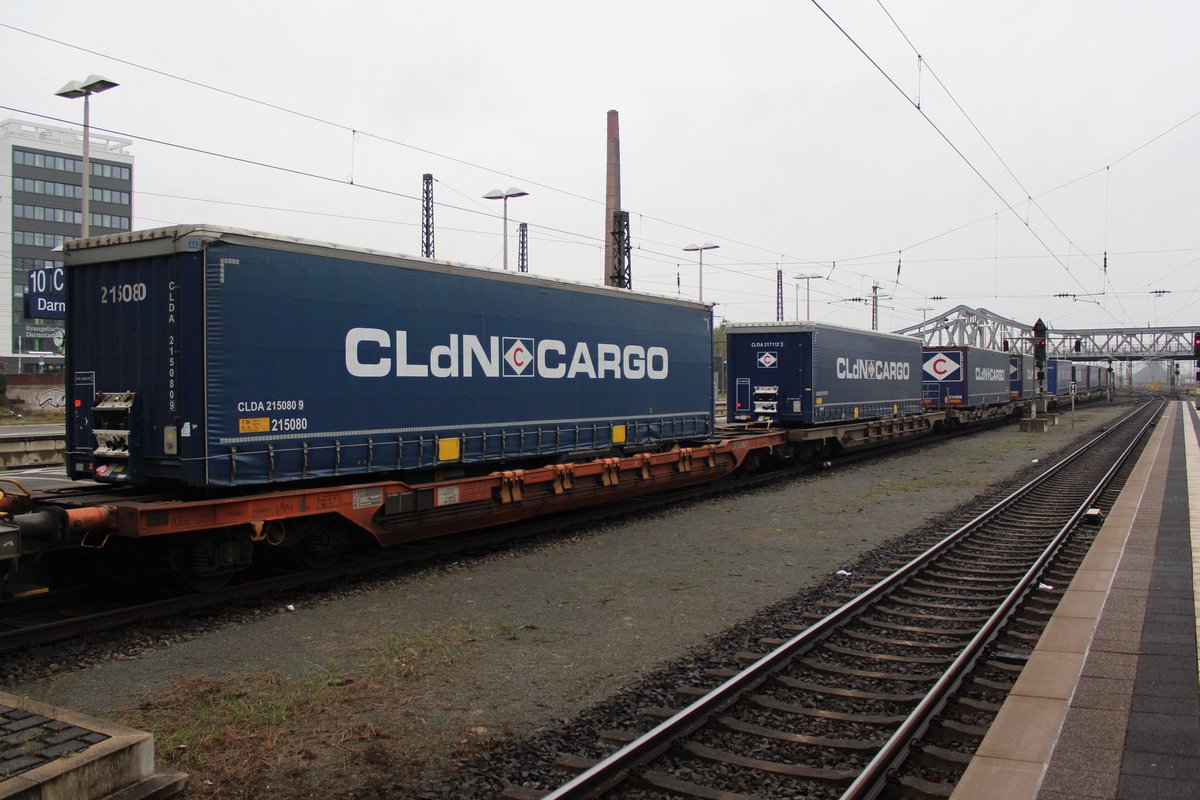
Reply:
x=1109, y=704
x=49, y=753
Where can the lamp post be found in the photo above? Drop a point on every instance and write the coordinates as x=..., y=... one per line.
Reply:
x=93, y=84
x=496, y=194
x=700, y=248
x=808, y=279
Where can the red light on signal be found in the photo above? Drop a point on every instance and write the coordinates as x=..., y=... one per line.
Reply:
x=739, y=405
x=78, y=403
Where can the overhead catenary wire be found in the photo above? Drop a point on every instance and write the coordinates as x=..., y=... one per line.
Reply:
x=942, y=134
x=358, y=132
x=582, y=239
x=1031, y=199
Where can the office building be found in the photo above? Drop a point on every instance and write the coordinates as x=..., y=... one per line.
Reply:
x=42, y=202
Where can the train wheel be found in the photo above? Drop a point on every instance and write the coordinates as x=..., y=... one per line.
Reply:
x=209, y=563
x=202, y=584
x=322, y=548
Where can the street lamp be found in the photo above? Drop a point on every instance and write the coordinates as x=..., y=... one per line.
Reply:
x=700, y=248
x=808, y=279
x=496, y=194
x=93, y=84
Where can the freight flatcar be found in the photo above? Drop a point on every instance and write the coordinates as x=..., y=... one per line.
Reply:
x=966, y=377
x=213, y=357
x=814, y=374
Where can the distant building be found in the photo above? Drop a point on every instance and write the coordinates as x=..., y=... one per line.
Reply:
x=42, y=205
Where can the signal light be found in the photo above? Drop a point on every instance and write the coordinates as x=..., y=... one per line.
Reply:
x=1039, y=342
x=1196, y=346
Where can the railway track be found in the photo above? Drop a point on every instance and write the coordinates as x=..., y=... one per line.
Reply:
x=82, y=610
x=890, y=692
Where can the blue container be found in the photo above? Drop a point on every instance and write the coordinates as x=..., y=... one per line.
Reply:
x=1059, y=376
x=1022, y=382
x=216, y=357
x=810, y=374
x=965, y=376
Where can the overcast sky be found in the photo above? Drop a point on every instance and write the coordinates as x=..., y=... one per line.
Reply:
x=765, y=130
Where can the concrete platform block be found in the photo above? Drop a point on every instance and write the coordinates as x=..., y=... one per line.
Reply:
x=1034, y=425
x=71, y=756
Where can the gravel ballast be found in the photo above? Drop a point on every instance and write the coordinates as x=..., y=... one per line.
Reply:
x=497, y=648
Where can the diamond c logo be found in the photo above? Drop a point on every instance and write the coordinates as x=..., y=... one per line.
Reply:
x=940, y=366
x=518, y=356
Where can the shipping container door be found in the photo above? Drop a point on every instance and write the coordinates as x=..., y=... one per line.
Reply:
x=742, y=396
x=125, y=336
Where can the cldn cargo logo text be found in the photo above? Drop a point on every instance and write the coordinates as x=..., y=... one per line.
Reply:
x=376, y=353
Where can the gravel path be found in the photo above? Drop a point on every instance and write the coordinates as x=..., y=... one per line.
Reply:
x=497, y=648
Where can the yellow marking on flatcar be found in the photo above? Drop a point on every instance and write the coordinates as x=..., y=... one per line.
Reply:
x=448, y=449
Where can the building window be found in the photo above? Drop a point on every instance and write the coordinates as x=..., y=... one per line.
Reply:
x=101, y=170
x=67, y=164
x=38, y=239
x=109, y=196
x=28, y=264
x=50, y=188
x=73, y=190
x=48, y=214
x=108, y=221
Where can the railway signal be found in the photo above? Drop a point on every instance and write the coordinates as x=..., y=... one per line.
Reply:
x=1039, y=360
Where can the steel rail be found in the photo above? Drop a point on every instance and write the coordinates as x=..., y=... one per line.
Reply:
x=617, y=766
x=872, y=780
x=59, y=630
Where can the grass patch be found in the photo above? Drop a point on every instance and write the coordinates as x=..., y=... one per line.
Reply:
x=327, y=732
x=23, y=414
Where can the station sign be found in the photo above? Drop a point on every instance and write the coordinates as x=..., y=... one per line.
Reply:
x=46, y=294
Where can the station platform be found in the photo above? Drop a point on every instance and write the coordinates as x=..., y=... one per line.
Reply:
x=49, y=753
x=1109, y=703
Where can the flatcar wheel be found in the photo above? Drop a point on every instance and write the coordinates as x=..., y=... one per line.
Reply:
x=320, y=549
x=203, y=583
x=209, y=562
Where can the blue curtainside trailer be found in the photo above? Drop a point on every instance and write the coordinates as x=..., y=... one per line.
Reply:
x=1022, y=381
x=810, y=374
x=1060, y=374
x=965, y=376
x=217, y=357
